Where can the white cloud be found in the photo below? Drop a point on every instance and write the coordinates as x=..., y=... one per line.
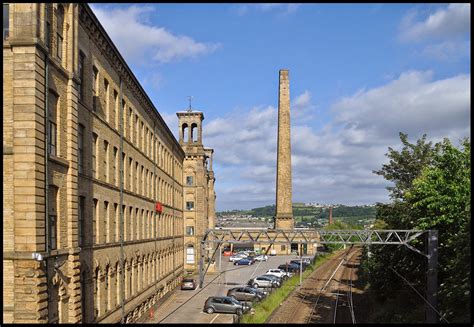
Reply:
x=413, y=102
x=139, y=41
x=448, y=50
x=453, y=20
x=335, y=163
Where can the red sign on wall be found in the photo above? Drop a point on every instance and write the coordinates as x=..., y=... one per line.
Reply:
x=158, y=207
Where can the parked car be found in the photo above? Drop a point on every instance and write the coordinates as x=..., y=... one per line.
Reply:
x=278, y=280
x=298, y=262
x=261, y=257
x=262, y=281
x=308, y=260
x=245, y=294
x=224, y=304
x=237, y=257
x=279, y=273
x=244, y=262
x=227, y=253
x=289, y=267
x=246, y=253
x=188, y=284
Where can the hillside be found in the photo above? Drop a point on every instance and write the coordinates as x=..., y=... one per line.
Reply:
x=299, y=209
x=355, y=216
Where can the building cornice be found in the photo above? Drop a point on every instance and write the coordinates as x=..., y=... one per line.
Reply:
x=95, y=30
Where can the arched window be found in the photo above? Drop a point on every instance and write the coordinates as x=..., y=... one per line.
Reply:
x=194, y=132
x=184, y=132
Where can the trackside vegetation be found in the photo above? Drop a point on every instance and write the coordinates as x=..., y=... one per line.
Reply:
x=264, y=309
x=431, y=191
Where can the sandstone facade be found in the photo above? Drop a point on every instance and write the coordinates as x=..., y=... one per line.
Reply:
x=198, y=186
x=93, y=177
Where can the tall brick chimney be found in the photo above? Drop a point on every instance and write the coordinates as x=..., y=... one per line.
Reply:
x=330, y=215
x=284, y=204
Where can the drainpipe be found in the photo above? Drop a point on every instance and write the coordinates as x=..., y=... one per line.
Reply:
x=155, y=200
x=122, y=284
x=46, y=161
x=46, y=154
x=174, y=220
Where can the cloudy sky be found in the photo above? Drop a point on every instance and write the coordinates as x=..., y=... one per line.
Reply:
x=359, y=75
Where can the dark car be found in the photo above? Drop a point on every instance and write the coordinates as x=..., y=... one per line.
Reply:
x=251, y=257
x=224, y=304
x=298, y=262
x=245, y=262
x=245, y=294
x=188, y=284
x=289, y=267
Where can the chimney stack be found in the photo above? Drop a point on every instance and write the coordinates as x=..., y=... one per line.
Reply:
x=284, y=204
x=330, y=215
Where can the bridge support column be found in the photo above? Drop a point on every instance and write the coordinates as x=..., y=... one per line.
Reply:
x=201, y=264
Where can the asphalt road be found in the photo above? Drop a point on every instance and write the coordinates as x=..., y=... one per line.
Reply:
x=187, y=306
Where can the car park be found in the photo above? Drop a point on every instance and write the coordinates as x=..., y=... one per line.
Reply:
x=188, y=284
x=279, y=273
x=261, y=257
x=245, y=294
x=243, y=262
x=225, y=304
x=262, y=281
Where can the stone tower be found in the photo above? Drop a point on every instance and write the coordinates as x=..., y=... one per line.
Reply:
x=284, y=209
x=198, y=185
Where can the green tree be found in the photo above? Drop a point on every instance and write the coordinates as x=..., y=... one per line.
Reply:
x=406, y=165
x=441, y=199
x=431, y=191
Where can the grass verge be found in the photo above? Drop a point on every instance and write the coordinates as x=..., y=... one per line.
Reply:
x=264, y=309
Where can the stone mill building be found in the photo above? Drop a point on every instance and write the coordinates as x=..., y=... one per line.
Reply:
x=102, y=206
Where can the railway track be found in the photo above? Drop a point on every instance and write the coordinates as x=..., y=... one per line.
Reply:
x=311, y=304
x=334, y=300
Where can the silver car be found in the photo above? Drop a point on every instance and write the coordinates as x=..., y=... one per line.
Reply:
x=224, y=304
x=279, y=273
x=261, y=257
x=237, y=257
x=262, y=281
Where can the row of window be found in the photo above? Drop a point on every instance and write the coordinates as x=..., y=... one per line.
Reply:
x=137, y=178
x=139, y=224
x=139, y=275
x=135, y=130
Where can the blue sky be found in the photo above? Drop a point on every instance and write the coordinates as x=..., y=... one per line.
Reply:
x=359, y=75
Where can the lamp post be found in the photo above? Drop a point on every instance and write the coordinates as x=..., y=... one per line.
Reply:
x=301, y=265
